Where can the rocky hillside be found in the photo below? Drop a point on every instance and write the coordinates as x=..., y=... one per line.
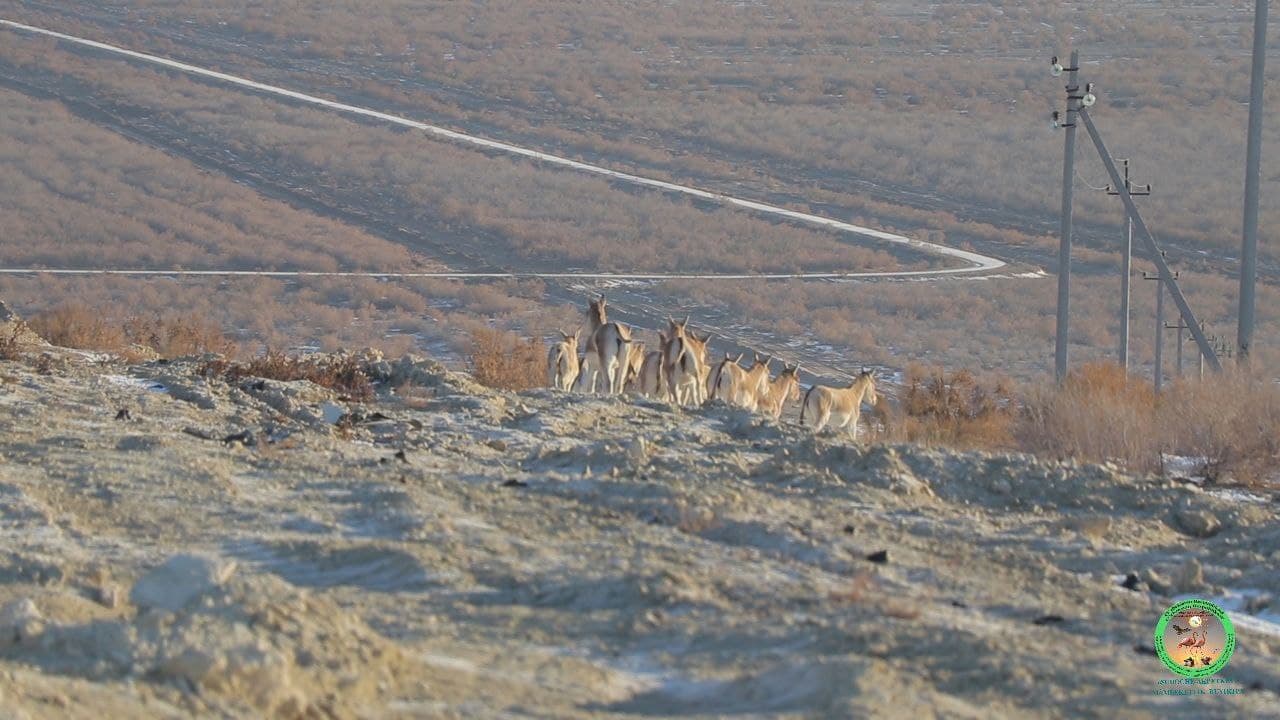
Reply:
x=175, y=544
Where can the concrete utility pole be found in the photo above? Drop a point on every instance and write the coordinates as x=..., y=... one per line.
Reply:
x=1159, y=371
x=1127, y=269
x=1160, y=325
x=1200, y=356
x=1064, y=243
x=1252, y=181
x=1144, y=233
x=1179, y=326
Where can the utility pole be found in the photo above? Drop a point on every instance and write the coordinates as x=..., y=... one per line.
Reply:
x=1179, y=327
x=1200, y=356
x=1127, y=268
x=1252, y=181
x=1064, y=242
x=1079, y=100
x=1149, y=240
x=1159, y=371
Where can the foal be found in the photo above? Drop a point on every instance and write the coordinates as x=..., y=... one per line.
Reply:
x=562, y=362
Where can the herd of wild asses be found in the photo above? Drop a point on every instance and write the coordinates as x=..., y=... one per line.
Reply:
x=613, y=361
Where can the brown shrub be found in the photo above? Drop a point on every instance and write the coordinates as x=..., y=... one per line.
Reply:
x=177, y=336
x=502, y=360
x=10, y=342
x=1231, y=420
x=1098, y=413
x=958, y=410
x=342, y=374
x=76, y=325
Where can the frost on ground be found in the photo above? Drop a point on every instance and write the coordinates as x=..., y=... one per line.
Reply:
x=172, y=545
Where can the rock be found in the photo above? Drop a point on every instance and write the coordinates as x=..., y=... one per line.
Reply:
x=1196, y=523
x=1257, y=603
x=1189, y=577
x=1094, y=527
x=193, y=665
x=1156, y=582
x=181, y=579
x=20, y=623
x=188, y=390
x=886, y=469
x=332, y=412
x=108, y=595
x=139, y=443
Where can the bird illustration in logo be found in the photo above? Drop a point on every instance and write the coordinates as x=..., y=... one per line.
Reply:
x=1179, y=629
x=1189, y=642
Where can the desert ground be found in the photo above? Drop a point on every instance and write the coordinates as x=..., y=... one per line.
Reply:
x=179, y=545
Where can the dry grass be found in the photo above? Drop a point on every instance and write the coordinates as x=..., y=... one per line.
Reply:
x=75, y=325
x=1098, y=413
x=502, y=360
x=1232, y=420
x=342, y=374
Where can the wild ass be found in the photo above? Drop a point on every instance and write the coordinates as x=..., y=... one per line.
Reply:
x=608, y=341
x=728, y=379
x=781, y=390
x=652, y=382
x=840, y=406
x=562, y=362
x=755, y=381
x=684, y=362
x=588, y=372
x=634, y=361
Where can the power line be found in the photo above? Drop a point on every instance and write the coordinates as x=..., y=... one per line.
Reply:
x=1086, y=183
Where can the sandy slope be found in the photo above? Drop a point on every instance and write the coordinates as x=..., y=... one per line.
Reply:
x=560, y=556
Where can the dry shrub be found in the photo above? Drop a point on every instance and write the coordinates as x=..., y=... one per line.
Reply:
x=11, y=341
x=956, y=409
x=343, y=374
x=76, y=325
x=1232, y=420
x=178, y=335
x=502, y=360
x=1098, y=413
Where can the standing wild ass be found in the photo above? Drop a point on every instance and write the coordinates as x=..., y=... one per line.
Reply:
x=608, y=342
x=840, y=406
x=684, y=362
x=562, y=362
x=779, y=391
x=652, y=382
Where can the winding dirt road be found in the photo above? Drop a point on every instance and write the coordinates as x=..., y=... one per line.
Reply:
x=975, y=263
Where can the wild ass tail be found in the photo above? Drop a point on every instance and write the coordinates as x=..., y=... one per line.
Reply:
x=805, y=403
